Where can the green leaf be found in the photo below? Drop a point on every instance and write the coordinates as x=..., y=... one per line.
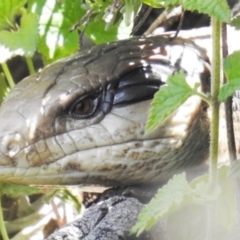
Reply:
x=232, y=66
x=55, y=20
x=110, y=26
x=165, y=201
x=57, y=17
x=15, y=190
x=216, y=8
x=22, y=42
x=98, y=34
x=178, y=198
x=194, y=210
x=228, y=89
x=235, y=22
x=232, y=71
x=128, y=12
x=168, y=99
x=131, y=9
x=9, y=9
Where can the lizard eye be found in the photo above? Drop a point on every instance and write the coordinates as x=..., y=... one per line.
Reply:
x=85, y=107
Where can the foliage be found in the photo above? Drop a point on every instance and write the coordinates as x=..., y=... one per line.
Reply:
x=166, y=204
x=232, y=71
x=168, y=99
x=178, y=198
x=236, y=21
x=14, y=190
x=16, y=43
x=215, y=8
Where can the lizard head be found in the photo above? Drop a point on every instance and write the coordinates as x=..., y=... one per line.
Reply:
x=81, y=120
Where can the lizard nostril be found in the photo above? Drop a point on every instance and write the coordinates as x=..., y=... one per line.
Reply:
x=11, y=145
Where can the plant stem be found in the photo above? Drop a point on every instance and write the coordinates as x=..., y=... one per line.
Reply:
x=216, y=77
x=204, y=97
x=8, y=75
x=31, y=68
x=215, y=86
x=2, y=225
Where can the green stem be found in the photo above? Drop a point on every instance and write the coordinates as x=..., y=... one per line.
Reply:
x=205, y=97
x=8, y=75
x=215, y=86
x=2, y=225
x=216, y=77
x=31, y=68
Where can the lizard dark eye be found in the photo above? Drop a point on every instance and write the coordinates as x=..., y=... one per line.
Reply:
x=84, y=107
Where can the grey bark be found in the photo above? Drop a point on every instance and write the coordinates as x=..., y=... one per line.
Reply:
x=111, y=219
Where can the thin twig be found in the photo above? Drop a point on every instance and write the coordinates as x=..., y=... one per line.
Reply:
x=84, y=19
x=81, y=33
x=179, y=27
x=60, y=221
x=228, y=103
x=142, y=16
x=156, y=23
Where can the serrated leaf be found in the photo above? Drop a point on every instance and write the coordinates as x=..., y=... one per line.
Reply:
x=232, y=71
x=167, y=198
x=202, y=191
x=168, y=99
x=22, y=42
x=191, y=201
x=9, y=9
x=14, y=190
x=223, y=195
x=228, y=89
x=216, y=8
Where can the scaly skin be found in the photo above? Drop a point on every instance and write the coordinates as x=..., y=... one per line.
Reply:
x=42, y=142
